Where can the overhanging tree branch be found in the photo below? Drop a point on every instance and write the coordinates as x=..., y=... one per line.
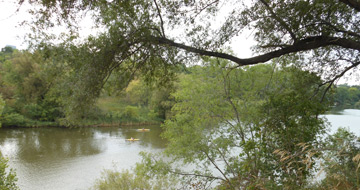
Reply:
x=309, y=43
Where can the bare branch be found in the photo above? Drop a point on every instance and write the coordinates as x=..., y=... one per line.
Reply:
x=197, y=175
x=331, y=82
x=161, y=20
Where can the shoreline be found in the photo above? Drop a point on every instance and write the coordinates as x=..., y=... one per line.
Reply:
x=55, y=125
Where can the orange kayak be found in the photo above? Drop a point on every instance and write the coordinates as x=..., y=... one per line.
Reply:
x=142, y=130
x=132, y=139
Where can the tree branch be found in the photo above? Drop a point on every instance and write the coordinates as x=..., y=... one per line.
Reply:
x=281, y=22
x=161, y=20
x=197, y=175
x=216, y=166
x=350, y=33
x=305, y=44
x=331, y=82
x=352, y=3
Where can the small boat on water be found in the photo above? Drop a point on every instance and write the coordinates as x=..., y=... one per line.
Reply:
x=132, y=139
x=143, y=130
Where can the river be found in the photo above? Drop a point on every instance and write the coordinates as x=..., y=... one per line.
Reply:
x=71, y=159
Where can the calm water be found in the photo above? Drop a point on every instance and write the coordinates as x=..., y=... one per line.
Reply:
x=69, y=159
x=348, y=118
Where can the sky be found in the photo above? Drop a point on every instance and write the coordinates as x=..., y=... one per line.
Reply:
x=10, y=31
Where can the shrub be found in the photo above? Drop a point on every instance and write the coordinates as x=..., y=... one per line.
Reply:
x=131, y=112
x=125, y=180
x=2, y=105
x=120, y=180
x=13, y=119
x=7, y=180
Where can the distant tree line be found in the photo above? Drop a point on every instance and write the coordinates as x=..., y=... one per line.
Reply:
x=346, y=96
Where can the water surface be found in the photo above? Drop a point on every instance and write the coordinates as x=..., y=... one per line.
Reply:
x=348, y=118
x=68, y=159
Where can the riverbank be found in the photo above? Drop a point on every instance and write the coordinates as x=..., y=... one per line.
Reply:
x=108, y=111
x=57, y=125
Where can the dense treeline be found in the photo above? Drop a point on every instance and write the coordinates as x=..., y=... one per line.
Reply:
x=37, y=89
x=346, y=96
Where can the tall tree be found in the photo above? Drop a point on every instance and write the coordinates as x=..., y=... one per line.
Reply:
x=326, y=31
x=151, y=36
x=232, y=122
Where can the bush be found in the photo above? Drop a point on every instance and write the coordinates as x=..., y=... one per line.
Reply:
x=33, y=111
x=125, y=180
x=2, y=105
x=120, y=180
x=13, y=119
x=7, y=180
x=131, y=112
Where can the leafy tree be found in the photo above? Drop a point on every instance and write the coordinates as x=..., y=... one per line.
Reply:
x=30, y=85
x=346, y=97
x=137, y=92
x=325, y=30
x=232, y=121
x=138, y=36
x=162, y=101
x=341, y=161
x=2, y=105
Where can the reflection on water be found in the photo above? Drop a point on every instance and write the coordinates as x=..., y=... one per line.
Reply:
x=63, y=158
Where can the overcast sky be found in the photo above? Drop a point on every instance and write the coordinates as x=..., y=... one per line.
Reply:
x=10, y=31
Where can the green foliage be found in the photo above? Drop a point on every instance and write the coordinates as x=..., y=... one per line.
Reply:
x=346, y=96
x=141, y=31
x=131, y=112
x=137, y=39
x=137, y=92
x=239, y=117
x=2, y=105
x=341, y=161
x=113, y=180
x=31, y=87
x=13, y=119
x=7, y=177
